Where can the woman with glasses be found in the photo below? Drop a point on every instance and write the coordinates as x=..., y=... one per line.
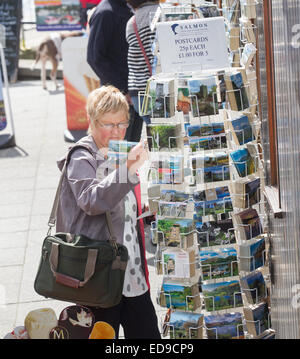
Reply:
x=90, y=188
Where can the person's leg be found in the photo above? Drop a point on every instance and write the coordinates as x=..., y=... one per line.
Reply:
x=138, y=318
x=134, y=130
x=135, y=103
x=111, y=315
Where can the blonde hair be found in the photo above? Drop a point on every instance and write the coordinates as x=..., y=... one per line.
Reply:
x=106, y=99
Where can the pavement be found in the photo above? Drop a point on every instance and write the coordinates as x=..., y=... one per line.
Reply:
x=28, y=181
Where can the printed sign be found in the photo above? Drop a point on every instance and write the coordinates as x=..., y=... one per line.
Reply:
x=79, y=81
x=10, y=19
x=198, y=44
x=57, y=15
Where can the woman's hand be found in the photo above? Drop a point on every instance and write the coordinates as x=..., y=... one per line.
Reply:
x=137, y=156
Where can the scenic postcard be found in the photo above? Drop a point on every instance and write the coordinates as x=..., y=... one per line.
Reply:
x=222, y=205
x=252, y=192
x=211, y=194
x=242, y=130
x=257, y=318
x=224, y=326
x=219, y=263
x=207, y=143
x=215, y=233
x=237, y=94
x=212, y=174
x=163, y=136
x=252, y=255
x=203, y=94
x=254, y=287
x=211, y=167
x=174, y=231
x=222, y=295
x=173, y=196
x=172, y=209
x=177, y=16
x=180, y=296
x=204, y=130
x=185, y=325
x=161, y=103
x=243, y=162
x=248, y=223
x=121, y=146
x=118, y=150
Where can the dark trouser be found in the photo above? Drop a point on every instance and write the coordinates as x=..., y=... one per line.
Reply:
x=136, y=315
x=133, y=133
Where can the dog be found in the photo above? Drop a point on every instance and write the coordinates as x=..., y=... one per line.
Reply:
x=50, y=50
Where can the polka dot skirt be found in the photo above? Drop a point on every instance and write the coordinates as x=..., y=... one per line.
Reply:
x=134, y=282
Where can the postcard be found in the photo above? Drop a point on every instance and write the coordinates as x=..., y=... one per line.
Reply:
x=218, y=263
x=245, y=194
x=205, y=130
x=164, y=137
x=217, y=206
x=167, y=170
x=211, y=194
x=208, y=143
x=173, y=196
x=241, y=130
x=254, y=287
x=185, y=325
x=118, y=151
x=203, y=95
x=178, y=263
x=183, y=100
x=179, y=295
x=222, y=295
x=243, y=162
x=257, y=318
x=178, y=16
x=176, y=232
x=224, y=326
x=215, y=233
x=248, y=54
x=236, y=91
x=212, y=174
x=160, y=101
x=247, y=224
x=252, y=192
x=252, y=255
x=209, y=10
x=121, y=146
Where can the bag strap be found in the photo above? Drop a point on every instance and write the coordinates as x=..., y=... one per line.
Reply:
x=141, y=45
x=53, y=214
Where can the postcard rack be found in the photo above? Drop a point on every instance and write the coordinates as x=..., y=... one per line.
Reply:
x=233, y=93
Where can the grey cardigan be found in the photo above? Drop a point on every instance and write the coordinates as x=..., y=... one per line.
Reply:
x=88, y=192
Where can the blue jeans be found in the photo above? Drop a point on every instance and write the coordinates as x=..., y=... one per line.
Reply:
x=135, y=103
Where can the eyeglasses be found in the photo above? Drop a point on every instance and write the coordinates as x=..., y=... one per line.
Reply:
x=110, y=126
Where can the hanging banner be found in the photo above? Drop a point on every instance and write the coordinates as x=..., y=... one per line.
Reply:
x=195, y=45
x=57, y=15
x=10, y=18
x=79, y=81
